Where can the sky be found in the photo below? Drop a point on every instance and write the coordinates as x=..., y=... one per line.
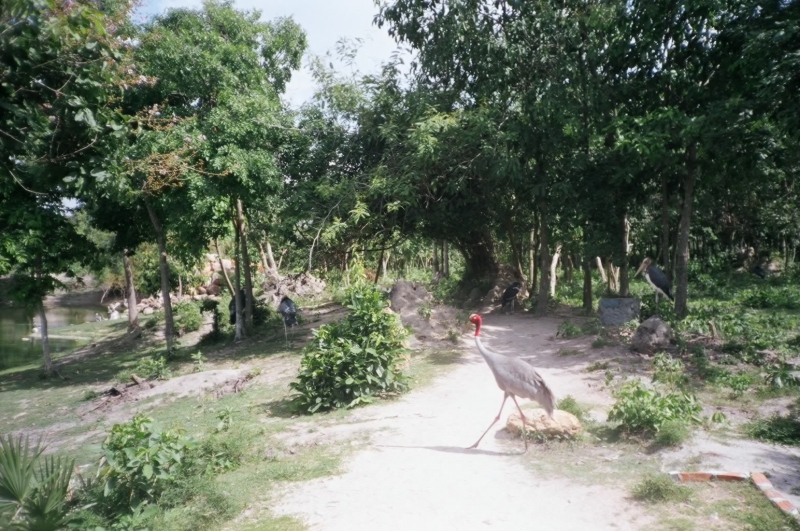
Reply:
x=325, y=22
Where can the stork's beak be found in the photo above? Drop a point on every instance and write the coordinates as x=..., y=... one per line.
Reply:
x=641, y=268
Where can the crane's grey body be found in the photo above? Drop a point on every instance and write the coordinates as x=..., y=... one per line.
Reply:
x=515, y=378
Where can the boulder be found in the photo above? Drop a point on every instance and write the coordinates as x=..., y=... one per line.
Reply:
x=148, y=311
x=562, y=425
x=213, y=289
x=616, y=312
x=652, y=335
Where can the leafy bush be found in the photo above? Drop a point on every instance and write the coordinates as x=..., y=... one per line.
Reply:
x=33, y=489
x=425, y=311
x=140, y=461
x=672, y=433
x=777, y=428
x=153, y=368
x=568, y=330
x=570, y=405
x=641, y=410
x=669, y=371
x=187, y=317
x=660, y=488
x=772, y=297
x=349, y=362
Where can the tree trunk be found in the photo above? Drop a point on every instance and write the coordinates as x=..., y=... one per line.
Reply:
x=280, y=260
x=239, y=333
x=532, y=261
x=379, y=267
x=682, y=262
x=180, y=288
x=624, y=285
x=587, y=284
x=553, y=270
x=169, y=322
x=248, y=274
x=48, y=361
x=478, y=250
x=516, y=252
x=385, y=263
x=601, y=269
x=224, y=272
x=544, y=267
x=665, y=226
x=435, y=258
x=446, y=258
x=130, y=293
x=569, y=267
x=271, y=258
x=263, y=255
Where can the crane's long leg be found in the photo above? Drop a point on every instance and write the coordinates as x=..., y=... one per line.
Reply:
x=505, y=397
x=524, y=421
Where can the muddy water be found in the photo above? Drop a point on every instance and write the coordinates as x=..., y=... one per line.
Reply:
x=16, y=326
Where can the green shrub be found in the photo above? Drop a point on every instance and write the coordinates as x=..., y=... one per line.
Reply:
x=349, y=362
x=140, y=461
x=645, y=411
x=660, y=488
x=152, y=368
x=187, y=317
x=772, y=297
x=425, y=311
x=600, y=342
x=669, y=371
x=672, y=433
x=777, y=429
x=33, y=488
x=570, y=405
x=568, y=330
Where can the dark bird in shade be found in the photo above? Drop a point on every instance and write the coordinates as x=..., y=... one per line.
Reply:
x=232, y=306
x=515, y=378
x=510, y=295
x=759, y=272
x=656, y=278
x=288, y=309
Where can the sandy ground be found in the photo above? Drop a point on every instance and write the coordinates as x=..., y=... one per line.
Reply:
x=417, y=475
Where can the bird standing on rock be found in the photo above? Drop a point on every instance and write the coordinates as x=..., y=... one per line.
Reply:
x=516, y=379
x=510, y=295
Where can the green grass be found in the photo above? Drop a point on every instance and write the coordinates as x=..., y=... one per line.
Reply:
x=656, y=488
x=672, y=433
x=564, y=352
x=781, y=429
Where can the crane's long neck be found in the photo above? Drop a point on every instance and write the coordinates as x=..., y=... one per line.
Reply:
x=487, y=354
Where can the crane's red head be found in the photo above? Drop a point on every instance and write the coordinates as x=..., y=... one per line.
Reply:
x=477, y=321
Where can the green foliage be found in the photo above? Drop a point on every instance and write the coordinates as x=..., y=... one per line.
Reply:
x=780, y=429
x=660, y=488
x=349, y=362
x=198, y=359
x=187, y=317
x=599, y=342
x=570, y=405
x=568, y=330
x=669, y=371
x=640, y=410
x=153, y=368
x=672, y=433
x=33, y=488
x=597, y=366
x=769, y=297
x=425, y=311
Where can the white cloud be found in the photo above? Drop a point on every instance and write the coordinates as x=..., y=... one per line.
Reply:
x=325, y=22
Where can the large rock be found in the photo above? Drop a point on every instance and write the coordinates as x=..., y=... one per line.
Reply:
x=652, y=335
x=562, y=425
x=616, y=312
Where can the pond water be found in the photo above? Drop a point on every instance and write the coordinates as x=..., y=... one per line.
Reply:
x=16, y=325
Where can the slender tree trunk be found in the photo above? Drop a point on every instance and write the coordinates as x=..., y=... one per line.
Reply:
x=532, y=261
x=553, y=270
x=271, y=257
x=587, y=284
x=169, y=322
x=569, y=267
x=435, y=258
x=385, y=263
x=665, y=226
x=248, y=274
x=544, y=285
x=446, y=258
x=516, y=252
x=263, y=255
x=601, y=269
x=48, y=360
x=624, y=286
x=682, y=262
x=130, y=292
x=224, y=272
x=239, y=333
x=379, y=267
x=280, y=260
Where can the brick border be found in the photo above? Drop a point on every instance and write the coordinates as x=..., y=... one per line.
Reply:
x=758, y=479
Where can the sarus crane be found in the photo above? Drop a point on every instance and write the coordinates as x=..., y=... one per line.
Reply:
x=510, y=295
x=656, y=278
x=516, y=379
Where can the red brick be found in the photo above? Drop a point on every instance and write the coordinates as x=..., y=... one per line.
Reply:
x=695, y=476
x=760, y=480
x=785, y=506
x=773, y=494
x=730, y=476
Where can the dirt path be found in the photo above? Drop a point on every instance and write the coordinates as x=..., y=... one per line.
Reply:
x=416, y=474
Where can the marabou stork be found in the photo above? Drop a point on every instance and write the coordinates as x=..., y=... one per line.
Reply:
x=232, y=306
x=656, y=278
x=759, y=272
x=288, y=310
x=516, y=379
x=510, y=295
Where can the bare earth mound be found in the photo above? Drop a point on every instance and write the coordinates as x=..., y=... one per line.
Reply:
x=415, y=306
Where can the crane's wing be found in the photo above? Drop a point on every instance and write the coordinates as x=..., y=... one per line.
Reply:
x=519, y=378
